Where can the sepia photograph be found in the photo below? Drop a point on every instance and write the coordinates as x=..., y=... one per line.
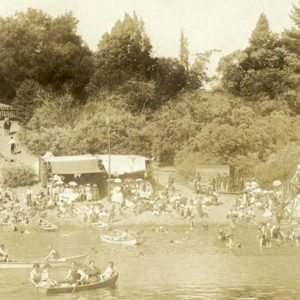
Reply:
x=149, y=149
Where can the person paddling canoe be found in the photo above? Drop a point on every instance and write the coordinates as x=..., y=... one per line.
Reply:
x=53, y=254
x=3, y=254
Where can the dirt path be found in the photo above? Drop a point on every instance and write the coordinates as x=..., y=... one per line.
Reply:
x=23, y=156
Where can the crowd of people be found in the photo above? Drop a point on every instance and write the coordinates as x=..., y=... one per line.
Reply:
x=78, y=274
x=219, y=183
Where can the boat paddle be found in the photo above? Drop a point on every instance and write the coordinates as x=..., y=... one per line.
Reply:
x=75, y=287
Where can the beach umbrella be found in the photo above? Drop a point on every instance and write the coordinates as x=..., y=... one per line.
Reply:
x=72, y=183
x=254, y=184
x=59, y=182
x=257, y=191
x=117, y=180
x=276, y=183
x=139, y=180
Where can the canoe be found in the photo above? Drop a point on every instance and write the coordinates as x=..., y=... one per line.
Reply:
x=100, y=224
x=85, y=287
x=48, y=227
x=115, y=239
x=60, y=262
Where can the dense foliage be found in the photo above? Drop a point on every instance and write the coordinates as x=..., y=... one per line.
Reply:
x=16, y=174
x=157, y=107
x=35, y=46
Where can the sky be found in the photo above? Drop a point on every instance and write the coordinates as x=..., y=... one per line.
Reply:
x=208, y=24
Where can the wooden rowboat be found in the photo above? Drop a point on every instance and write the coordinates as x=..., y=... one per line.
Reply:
x=48, y=227
x=116, y=239
x=85, y=287
x=59, y=262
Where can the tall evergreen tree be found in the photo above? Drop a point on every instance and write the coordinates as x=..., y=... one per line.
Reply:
x=261, y=33
x=184, y=51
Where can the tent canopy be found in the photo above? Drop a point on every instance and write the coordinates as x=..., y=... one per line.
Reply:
x=83, y=164
x=74, y=164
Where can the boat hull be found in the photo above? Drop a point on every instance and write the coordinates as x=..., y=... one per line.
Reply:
x=61, y=262
x=115, y=240
x=71, y=289
x=48, y=228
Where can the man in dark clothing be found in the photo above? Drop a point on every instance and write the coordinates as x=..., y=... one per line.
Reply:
x=6, y=126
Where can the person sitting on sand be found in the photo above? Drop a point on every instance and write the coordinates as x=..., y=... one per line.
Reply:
x=35, y=275
x=109, y=271
x=3, y=254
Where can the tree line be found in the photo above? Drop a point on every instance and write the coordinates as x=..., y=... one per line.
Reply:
x=63, y=93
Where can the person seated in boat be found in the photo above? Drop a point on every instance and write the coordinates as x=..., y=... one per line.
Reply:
x=93, y=271
x=109, y=272
x=53, y=254
x=3, y=254
x=82, y=275
x=35, y=275
x=42, y=222
x=45, y=277
x=72, y=275
x=125, y=235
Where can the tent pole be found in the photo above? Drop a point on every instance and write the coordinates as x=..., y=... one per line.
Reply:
x=109, y=161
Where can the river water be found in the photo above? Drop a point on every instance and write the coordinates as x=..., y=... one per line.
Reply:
x=194, y=266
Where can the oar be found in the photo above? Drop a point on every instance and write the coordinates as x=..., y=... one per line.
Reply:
x=75, y=287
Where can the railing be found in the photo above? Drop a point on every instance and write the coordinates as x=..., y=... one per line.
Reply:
x=7, y=112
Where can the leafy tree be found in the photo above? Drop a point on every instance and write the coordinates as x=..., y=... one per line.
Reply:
x=291, y=78
x=170, y=78
x=35, y=46
x=138, y=96
x=123, y=54
x=26, y=100
x=258, y=71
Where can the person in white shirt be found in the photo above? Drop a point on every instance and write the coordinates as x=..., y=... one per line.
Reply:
x=109, y=271
x=12, y=144
x=125, y=235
